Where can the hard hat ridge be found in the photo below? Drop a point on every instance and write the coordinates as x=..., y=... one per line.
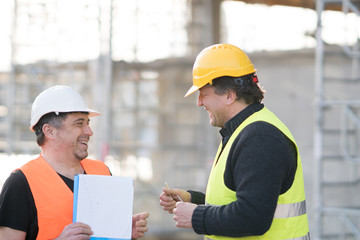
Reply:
x=57, y=99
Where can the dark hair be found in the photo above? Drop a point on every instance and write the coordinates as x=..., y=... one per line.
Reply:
x=244, y=87
x=52, y=119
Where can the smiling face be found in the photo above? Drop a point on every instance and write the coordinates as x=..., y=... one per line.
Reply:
x=214, y=104
x=74, y=135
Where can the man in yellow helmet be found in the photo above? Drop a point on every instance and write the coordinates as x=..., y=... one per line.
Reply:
x=255, y=189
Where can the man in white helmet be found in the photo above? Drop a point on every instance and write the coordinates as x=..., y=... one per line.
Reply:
x=36, y=200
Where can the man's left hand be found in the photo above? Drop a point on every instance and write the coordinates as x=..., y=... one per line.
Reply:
x=183, y=214
x=139, y=225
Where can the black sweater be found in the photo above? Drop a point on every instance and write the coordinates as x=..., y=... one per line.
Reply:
x=261, y=165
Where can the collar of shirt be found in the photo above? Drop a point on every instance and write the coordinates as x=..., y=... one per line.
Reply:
x=233, y=123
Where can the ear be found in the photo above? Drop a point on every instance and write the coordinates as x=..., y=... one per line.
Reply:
x=230, y=97
x=49, y=131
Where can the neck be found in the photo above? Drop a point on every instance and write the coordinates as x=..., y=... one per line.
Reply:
x=65, y=166
x=237, y=107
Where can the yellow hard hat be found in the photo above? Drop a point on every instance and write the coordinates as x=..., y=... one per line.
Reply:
x=219, y=60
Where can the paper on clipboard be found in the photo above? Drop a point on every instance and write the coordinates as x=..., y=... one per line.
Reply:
x=105, y=203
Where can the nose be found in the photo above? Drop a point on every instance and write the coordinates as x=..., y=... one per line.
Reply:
x=88, y=130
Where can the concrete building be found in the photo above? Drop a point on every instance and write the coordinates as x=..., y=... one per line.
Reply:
x=149, y=131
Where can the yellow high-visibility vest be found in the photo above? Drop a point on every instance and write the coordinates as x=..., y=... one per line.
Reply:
x=290, y=218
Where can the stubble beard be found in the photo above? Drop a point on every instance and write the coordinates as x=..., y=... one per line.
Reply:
x=81, y=154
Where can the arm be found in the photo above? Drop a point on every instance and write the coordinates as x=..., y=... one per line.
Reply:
x=197, y=197
x=17, y=207
x=259, y=165
x=11, y=234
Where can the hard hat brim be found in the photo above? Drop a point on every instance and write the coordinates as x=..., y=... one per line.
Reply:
x=191, y=90
x=92, y=113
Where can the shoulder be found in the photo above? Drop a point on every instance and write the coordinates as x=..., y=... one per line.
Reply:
x=262, y=130
x=16, y=179
x=15, y=188
x=15, y=184
x=261, y=127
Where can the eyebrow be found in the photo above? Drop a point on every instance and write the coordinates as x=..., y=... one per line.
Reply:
x=81, y=119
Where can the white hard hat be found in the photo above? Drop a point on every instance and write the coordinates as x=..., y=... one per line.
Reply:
x=58, y=99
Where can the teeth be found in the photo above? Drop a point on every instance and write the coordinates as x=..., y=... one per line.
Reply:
x=84, y=143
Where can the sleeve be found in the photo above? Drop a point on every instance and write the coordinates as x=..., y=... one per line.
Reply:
x=17, y=207
x=197, y=197
x=259, y=164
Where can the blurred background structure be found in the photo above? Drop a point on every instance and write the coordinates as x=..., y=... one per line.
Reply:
x=132, y=61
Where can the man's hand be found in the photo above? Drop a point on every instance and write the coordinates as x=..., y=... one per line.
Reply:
x=183, y=214
x=170, y=196
x=139, y=224
x=76, y=231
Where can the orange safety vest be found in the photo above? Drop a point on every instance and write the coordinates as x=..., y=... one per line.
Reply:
x=53, y=198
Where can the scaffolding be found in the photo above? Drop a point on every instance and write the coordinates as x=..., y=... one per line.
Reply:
x=337, y=129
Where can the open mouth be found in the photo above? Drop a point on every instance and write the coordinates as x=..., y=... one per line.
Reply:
x=84, y=143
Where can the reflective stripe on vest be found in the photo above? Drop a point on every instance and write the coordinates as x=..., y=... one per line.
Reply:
x=307, y=237
x=290, y=218
x=53, y=198
x=290, y=210
x=285, y=210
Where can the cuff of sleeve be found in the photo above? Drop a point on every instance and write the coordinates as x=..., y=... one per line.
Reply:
x=197, y=197
x=197, y=219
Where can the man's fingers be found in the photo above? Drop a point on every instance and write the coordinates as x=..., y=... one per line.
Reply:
x=166, y=197
x=76, y=231
x=143, y=216
x=146, y=215
x=141, y=223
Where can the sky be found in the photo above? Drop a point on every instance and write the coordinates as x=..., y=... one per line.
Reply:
x=68, y=30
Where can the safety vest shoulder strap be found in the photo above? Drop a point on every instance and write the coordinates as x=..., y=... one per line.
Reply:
x=51, y=195
x=97, y=167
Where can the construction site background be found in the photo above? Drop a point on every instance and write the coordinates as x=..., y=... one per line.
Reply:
x=150, y=132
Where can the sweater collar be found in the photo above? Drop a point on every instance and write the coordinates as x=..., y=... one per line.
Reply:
x=233, y=123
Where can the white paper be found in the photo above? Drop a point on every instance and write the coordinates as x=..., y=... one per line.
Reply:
x=105, y=203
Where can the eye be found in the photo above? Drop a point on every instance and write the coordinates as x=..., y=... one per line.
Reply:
x=79, y=124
